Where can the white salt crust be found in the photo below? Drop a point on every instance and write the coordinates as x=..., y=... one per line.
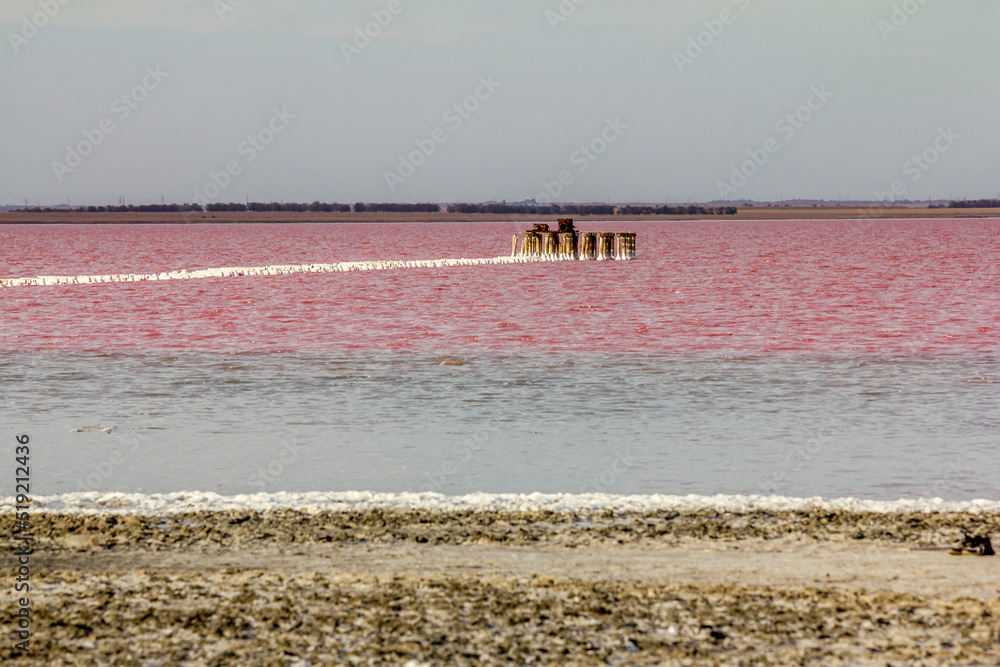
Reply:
x=277, y=270
x=181, y=502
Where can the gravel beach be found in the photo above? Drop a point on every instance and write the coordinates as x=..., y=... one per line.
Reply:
x=490, y=587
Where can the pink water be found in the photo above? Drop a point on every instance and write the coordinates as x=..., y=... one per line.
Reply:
x=887, y=287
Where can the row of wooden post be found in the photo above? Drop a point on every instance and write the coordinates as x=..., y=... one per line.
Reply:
x=576, y=245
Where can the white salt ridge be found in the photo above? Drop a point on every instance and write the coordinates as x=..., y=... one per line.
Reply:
x=277, y=270
x=175, y=503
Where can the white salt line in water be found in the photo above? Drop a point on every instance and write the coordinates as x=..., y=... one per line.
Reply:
x=274, y=270
x=181, y=502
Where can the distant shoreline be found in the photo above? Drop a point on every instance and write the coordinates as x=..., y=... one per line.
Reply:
x=745, y=213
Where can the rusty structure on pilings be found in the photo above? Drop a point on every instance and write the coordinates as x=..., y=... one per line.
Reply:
x=569, y=244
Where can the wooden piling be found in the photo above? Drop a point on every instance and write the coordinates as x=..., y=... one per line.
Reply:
x=567, y=243
x=624, y=245
x=606, y=245
x=530, y=245
x=551, y=248
x=629, y=245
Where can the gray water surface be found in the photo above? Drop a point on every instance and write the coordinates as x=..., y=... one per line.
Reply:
x=868, y=427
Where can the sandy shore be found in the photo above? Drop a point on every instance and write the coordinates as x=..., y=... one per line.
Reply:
x=489, y=587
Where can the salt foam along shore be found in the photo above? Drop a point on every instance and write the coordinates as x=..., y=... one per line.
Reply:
x=277, y=270
x=184, y=502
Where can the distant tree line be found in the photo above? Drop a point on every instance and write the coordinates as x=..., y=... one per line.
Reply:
x=196, y=208
x=586, y=209
x=589, y=209
x=494, y=208
x=534, y=209
x=677, y=210
x=129, y=208
x=257, y=207
x=976, y=203
x=396, y=208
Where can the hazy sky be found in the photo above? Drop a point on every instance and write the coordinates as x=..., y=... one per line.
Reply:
x=617, y=98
